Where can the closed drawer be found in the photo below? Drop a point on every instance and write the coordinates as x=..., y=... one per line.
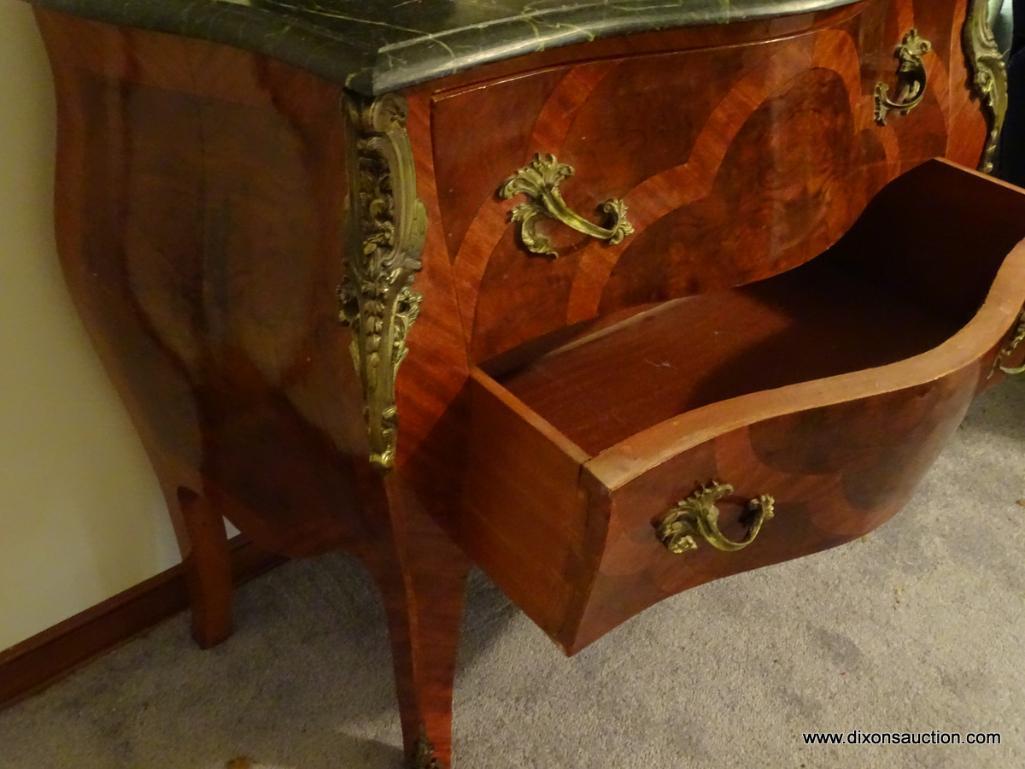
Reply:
x=734, y=162
x=830, y=388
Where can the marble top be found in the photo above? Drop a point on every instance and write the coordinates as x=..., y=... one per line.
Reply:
x=375, y=46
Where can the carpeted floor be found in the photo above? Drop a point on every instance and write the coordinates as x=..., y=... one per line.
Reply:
x=919, y=627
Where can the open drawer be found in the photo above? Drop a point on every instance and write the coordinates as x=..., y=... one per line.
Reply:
x=816, y=400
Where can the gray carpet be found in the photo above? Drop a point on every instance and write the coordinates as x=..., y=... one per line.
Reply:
x=919, y=627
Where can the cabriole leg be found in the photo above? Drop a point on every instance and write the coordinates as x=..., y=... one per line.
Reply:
x=204, y=547
x=422, y=578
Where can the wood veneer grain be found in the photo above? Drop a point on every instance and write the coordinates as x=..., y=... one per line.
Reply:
x=204, y=209
x=832, y=387
x=775, y=156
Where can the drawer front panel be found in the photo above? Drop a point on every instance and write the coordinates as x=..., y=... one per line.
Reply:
x=836, y=473
x=734, y=164
x=832, y=394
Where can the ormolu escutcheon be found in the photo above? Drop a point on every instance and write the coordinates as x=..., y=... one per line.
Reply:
x=697, y=516
x=539, y=181
x=911, y=76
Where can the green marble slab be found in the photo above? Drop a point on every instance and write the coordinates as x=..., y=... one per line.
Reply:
x=375, y=46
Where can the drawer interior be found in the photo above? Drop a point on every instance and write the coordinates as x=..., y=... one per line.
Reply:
x=810, y=323
x=905, y=279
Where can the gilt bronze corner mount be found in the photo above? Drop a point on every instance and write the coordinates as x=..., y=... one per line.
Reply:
x=378, y=302
x=989, y=76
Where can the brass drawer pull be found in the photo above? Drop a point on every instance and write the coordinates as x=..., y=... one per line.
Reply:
x=698, y=515
x=911, y=76
x=1011, y=348
x=539, y=181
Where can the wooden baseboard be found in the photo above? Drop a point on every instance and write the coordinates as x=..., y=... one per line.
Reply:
x=49, y=656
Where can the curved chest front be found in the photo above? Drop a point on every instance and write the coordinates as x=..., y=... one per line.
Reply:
x=611, y=319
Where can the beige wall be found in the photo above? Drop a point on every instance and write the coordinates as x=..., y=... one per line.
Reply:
x=81, y=516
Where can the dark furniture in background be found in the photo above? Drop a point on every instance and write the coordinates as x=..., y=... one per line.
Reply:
x=1012, y=154
x=611, y=300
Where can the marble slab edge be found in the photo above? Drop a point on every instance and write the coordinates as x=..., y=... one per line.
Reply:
x=348, y=55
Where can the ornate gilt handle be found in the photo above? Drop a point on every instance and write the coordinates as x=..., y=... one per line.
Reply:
x=539, y=181
x=698, y=516
x=1010, y=349
x=911, y=76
